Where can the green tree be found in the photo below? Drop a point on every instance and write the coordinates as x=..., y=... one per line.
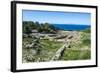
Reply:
x=27, y=30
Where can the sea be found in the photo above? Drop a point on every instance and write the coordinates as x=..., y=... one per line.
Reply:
x=71, y=27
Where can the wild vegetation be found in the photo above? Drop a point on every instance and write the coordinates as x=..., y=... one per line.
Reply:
x=40, y=27
x=42, y=41
x=80, y=49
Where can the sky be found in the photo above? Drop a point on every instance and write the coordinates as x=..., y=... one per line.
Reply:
x=54, y=17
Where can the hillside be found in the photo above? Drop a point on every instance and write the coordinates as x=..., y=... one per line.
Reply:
x=52, y=44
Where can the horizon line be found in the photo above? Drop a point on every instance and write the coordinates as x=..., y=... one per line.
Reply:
x=57, y=23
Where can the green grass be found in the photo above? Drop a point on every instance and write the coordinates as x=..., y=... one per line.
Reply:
x=51, y=45
x=48, y=50
x=76, y=55
x=74, y=52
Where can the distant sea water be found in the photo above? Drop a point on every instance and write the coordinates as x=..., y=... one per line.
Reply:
x=71, y=27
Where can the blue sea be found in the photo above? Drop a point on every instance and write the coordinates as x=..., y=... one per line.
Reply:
x=71, y=26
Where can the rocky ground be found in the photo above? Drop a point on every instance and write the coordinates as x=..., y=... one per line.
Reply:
x=78, y=47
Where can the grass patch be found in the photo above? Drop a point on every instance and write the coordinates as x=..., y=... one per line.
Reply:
x=46, y=52
x=76, y=55
x=51, y=45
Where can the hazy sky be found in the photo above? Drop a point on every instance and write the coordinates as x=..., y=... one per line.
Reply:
x=57, y=17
